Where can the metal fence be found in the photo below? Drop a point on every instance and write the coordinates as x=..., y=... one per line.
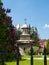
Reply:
x=18, y=57
x=45, y=59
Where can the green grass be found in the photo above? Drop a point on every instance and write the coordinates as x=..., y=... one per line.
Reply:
x=35, y=56
x=27, y=62
x=25, y=56
x=47, y=56
x=11, y=63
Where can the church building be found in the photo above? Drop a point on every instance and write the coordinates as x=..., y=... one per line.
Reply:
x=25, y=41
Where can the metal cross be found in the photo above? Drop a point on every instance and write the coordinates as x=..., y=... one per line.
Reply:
x=25, y=20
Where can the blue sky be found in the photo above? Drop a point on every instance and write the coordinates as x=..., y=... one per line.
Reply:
x=35, y=11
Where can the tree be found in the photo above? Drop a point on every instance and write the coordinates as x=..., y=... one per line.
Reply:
x=34, y=35
x=18, y=33
x=7, y=33
x=47, y=47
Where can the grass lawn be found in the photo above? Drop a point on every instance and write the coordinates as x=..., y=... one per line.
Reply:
x=35, y=56
x=27, y=62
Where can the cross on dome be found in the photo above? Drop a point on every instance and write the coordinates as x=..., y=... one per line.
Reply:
x=25, y=25
x=25, y=20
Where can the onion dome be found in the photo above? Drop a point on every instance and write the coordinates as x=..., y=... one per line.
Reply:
x=25, y=26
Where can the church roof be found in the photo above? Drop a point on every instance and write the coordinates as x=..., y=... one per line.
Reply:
x=25, y=41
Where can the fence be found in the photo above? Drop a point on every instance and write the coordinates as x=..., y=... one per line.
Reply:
x=45, y=59
x=18, y=57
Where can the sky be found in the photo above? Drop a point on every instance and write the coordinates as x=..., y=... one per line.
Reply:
x=35, y=11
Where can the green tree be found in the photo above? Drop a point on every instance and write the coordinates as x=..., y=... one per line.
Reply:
x=18, y=33
x=34, y=35
x=7, y=33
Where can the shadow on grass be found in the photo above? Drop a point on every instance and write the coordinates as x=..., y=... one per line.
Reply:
x=22, y=59
x=1, y=63
x=14, y=59
x=10, y=60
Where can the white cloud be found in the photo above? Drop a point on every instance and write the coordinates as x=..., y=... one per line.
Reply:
x=46, y=26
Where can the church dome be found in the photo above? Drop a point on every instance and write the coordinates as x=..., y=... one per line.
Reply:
x=25, y=26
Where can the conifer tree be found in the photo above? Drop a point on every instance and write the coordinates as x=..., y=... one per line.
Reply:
x=35, y=36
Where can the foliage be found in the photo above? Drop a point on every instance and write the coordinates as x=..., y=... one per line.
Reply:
x=18, y=33
x=34, y=35
x=7, y=33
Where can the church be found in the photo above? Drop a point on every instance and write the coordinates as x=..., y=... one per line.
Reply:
x=25, y=41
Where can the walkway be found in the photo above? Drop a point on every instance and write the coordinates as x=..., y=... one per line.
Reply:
x=36, y=58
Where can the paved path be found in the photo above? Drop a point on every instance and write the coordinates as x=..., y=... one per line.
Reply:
x=37, y=58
